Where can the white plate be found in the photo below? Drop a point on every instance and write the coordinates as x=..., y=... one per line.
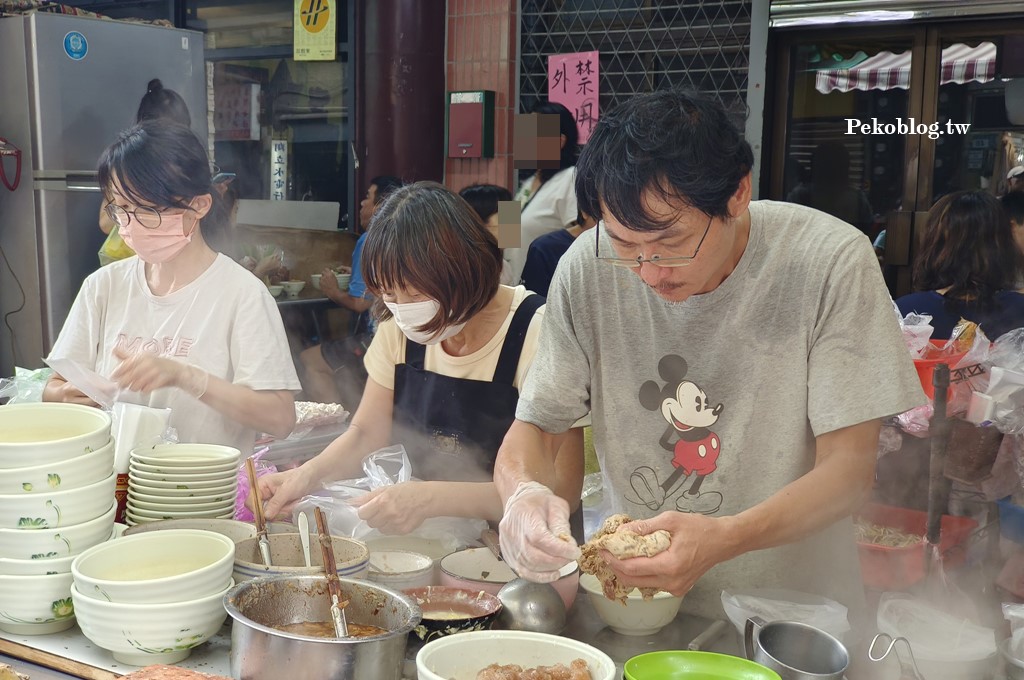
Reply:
x=183, y=469
x=142, y=495
x=187, y=455
x=222, y=506
x=151, y=516
x=179, y=485
x=223, y=476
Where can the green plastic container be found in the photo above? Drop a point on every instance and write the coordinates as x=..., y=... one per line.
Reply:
x=680, y=665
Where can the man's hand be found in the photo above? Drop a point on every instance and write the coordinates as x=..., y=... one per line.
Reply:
x=397, y=509
x=698, y=543
x=281, y=491
x=329, y=284
x=534, y=532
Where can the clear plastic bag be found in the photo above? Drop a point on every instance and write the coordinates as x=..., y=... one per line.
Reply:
x=786, y=605
x=1014, y=613
x=25, y=387
x=385, y=467
x=263, y=468
x=934, y=635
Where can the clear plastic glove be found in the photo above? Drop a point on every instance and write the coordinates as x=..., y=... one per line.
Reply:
x=144, y=372
x=535, y=537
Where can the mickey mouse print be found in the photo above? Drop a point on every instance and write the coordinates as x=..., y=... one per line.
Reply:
x=693, y=446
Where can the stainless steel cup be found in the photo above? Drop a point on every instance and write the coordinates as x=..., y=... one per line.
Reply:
x=796, y=651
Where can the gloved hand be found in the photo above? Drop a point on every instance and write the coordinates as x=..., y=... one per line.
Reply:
x=534, y=532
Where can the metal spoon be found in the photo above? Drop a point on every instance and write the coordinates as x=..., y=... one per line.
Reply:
x=304, y=537
x=527, y=605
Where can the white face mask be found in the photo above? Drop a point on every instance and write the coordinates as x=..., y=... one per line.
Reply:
x=411, y=315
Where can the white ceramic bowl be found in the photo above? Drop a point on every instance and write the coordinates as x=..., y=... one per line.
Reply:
x=351, y=557
x=36, y=605
x=54, y=509
x=315, y=280
x=401, y=569
x=54, y=565
x=184, y=486
x=168, y=566
x=39, y=544
x=637, y=616
x=154, y=515
x=46, y=432
x=187, y=455
x=233, y=529
x=293, y=288
x=146, y=634
x=479, y=569
x=462, y=656
x=60, y=475
x=275, y=290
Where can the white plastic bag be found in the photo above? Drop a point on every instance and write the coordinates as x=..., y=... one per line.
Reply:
x=787, y=605
x=937, y=638
x=385, y=467
x=1014, y=613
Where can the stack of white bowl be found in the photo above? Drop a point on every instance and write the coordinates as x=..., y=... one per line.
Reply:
x=182, y=481
x=153, y=597
x=56, y=500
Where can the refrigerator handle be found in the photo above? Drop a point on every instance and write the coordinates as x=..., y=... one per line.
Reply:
x=67, y=181
x=83, y=182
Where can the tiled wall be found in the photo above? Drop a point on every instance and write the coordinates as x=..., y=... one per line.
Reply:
x=481, y=55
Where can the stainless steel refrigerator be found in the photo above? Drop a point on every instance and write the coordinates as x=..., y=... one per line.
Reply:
x=68, y=85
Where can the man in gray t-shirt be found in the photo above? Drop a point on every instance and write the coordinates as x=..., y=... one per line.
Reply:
x=737, y=358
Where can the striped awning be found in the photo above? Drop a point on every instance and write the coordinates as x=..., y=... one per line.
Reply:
x=886, y=71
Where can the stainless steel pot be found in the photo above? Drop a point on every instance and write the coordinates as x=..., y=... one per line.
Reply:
x=261, y=652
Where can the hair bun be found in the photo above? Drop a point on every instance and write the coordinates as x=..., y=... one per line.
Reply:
x=154, y=85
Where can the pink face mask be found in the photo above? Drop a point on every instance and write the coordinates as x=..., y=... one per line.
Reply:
x=161, y=244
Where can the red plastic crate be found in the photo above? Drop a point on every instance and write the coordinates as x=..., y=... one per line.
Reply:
x=885, y=568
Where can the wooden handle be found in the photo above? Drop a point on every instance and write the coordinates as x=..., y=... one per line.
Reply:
x=257, y=503
x=77, y=669
x=327, y=550
x=490, y=539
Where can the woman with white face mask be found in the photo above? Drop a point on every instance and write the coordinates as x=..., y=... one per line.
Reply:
x=445, y=368
x=179, y=325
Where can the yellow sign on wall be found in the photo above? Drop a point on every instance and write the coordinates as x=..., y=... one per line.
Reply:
x=314, y=37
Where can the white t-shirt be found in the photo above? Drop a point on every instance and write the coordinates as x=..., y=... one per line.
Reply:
x=225, y=322
x=712, y=405
x=388, y=350
x=553, y=207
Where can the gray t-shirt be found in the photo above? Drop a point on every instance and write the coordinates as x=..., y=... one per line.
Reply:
x=711, y=405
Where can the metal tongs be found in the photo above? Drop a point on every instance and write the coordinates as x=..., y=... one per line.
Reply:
x=257, y=511
x=331, y=571
x=905, y=671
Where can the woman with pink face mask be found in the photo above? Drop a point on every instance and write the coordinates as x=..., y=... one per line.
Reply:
x=179, y=325
x=445, y=367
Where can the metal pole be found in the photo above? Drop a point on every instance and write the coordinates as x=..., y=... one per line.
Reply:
x=938, y=431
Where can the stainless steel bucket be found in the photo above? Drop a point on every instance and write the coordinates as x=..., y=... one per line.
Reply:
x=261, y=652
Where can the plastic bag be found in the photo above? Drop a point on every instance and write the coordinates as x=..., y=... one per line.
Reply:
x=263, y=468
x=787, y=605
x=25, y=387
x=114, y=248
x=934, y=635
x=1014, y=613
x=917, y=331
x=385, y=467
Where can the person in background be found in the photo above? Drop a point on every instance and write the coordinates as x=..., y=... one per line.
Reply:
x=1015, y=179
x=969, y=266
x=660, y=321
x=1013, y=204
x=546, y=251
x=830, y=190
x=158, y=102
x=321, y=363
x=179, y=325
x=484, y=199
x=549, y=195
x=446, y=364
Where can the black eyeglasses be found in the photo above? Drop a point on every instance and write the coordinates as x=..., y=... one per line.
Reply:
x=146, y=216
x=656, y=260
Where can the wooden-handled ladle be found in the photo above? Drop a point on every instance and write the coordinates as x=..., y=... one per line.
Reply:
x=257, y=511
x=331, y=570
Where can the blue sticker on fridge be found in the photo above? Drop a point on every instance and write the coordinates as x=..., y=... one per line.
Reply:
x=75, y=45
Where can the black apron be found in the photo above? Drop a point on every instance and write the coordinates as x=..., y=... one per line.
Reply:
x=452, y=427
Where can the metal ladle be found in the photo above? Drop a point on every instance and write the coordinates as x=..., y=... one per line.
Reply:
x=527, y=605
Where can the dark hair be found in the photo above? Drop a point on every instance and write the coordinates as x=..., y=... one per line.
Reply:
x=164, y=164
x=679, y=144
x=566, y=126
x=1013, y=204
x=484, y=198
x=426, y=237
x=386, y=185
x=968, y=246
x=162, y=103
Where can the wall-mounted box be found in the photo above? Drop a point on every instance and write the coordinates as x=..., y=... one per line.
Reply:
x=471, y=124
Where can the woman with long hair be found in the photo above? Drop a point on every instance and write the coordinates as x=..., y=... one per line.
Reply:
x=179, y=325
x=968, y=267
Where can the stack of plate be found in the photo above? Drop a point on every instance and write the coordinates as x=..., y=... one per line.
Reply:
x=182, y=481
